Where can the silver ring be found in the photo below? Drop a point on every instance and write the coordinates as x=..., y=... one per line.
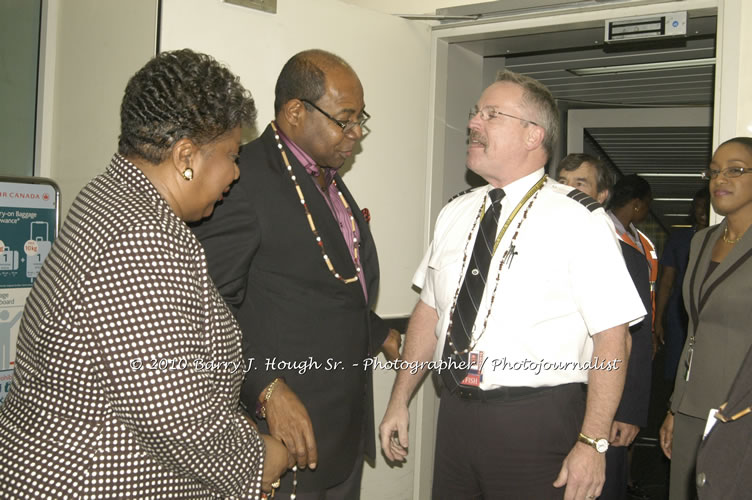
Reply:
x=276, y=484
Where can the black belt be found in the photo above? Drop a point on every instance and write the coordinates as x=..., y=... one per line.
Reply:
x=503, y=393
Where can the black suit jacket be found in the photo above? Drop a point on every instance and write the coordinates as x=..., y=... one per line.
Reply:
x=633, y=407
x=724, y=460
x=268, y=266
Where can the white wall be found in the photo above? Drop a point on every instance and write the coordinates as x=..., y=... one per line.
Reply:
x=462, y=94
x=19, y=46
x=409, y=6
x=89, y=50
x=733, y=99
x=388, y=176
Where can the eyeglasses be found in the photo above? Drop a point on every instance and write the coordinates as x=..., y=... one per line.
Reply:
x=489, y=113
x=728, y=173
x=346, y=126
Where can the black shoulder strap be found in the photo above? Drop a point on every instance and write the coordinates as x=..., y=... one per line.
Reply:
x=694, y=311
x=584, y=200
x=460, y=194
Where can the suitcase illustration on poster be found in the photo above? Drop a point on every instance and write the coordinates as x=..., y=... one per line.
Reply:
x=39, y=235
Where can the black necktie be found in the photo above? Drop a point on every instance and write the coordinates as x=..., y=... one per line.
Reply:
x=471, y=292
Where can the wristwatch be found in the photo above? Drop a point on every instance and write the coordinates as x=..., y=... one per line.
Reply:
x=600, y=444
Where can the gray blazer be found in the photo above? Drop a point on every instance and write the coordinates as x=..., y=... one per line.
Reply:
x=720, y=320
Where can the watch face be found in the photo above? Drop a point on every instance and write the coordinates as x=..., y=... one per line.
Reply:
x=601, y=445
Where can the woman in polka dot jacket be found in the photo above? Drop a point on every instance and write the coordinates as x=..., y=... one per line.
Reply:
x=127, y=374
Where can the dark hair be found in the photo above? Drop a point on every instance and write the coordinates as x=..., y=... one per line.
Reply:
x=604, y=179
x=702, y=194
x=541, y=102
x=744, y=141
x=180, y=94
x=628, y=188
x=303, y=76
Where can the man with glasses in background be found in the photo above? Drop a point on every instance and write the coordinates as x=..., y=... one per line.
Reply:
x=591, y=176
x=293, y=256
x=525, y=298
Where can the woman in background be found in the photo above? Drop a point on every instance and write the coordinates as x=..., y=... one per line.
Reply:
x=669, y=305
x=630, y=205
x=128, y=366
x=717, y=291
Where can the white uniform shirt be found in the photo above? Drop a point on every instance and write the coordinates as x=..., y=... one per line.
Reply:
x=566, y=282
x=633, y=231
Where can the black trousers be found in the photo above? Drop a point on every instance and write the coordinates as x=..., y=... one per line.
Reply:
x=617, y=473
x=505, y=449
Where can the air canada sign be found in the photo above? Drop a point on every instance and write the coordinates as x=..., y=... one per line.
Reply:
x=15, y=195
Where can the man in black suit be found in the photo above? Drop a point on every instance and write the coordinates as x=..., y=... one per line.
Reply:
x=592, y=177
x=293, y=256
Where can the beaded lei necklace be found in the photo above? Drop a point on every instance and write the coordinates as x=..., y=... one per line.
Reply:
x=533, y=192
x=315, y=232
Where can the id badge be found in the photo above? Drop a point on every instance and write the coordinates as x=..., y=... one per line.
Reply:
x=475, y=371
x=690, y=353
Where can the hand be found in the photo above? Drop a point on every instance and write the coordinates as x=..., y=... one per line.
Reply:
x=393, y=432
x=622, y=434
x=392, y=344
x=583, y=472
x=250, y=421
x=276, y=461
x=289, y=421
x=658, y=337
x=666, y=434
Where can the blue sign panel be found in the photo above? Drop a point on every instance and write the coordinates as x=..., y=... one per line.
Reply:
x=28, y=226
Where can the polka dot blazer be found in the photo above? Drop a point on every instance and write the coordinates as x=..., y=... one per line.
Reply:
x=127, y=373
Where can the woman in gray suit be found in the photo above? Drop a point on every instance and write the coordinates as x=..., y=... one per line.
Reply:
x=717, y=288
x=127, y=377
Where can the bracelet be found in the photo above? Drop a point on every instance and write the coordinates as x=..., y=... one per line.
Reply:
x=261, y=406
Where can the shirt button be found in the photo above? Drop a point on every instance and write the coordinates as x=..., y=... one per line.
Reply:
x=475, y=272
x=701, y=479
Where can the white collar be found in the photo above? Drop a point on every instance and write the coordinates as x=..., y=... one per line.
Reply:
x=516, y=190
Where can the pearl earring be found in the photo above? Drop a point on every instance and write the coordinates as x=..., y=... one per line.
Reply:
x=188, y=174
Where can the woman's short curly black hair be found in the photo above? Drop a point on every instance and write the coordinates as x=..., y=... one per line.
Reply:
x=180, y=94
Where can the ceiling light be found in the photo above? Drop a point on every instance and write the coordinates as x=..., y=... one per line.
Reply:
x=676, y=215
x=680, y=225
x=672, y=199
x=661, y=174
x=629, y=68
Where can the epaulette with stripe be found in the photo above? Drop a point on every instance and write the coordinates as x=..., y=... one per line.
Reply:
x=584, y=200
x=460, y=194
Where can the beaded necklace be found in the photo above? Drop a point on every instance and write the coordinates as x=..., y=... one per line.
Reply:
x=310, y=217
x=532, y=193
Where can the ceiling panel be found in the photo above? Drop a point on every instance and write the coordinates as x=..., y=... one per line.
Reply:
x=660, y=87
x=670, y=158
x=671, y=152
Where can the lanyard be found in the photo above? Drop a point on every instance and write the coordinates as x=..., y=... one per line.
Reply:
x=511, y=217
